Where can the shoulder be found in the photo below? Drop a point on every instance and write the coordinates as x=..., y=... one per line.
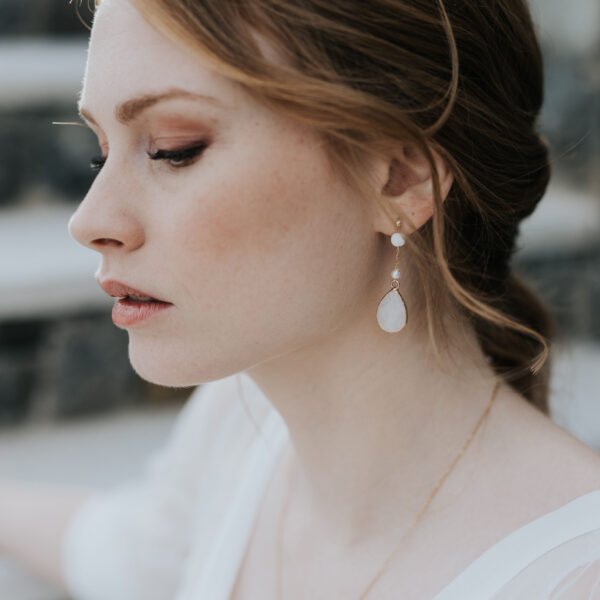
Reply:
x=530, y=465
x=513, y=499
x=563, y=465
x=520, y=466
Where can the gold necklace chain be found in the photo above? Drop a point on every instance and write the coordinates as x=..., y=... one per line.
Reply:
x=419, y=515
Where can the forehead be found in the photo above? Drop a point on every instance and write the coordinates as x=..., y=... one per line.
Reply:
x=127, y=57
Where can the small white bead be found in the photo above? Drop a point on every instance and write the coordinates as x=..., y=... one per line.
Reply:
x=397, y=240
x=395, y=274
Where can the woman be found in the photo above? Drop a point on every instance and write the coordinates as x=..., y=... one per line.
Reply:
x=319, y=201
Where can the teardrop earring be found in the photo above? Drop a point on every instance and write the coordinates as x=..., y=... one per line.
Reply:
x=391, y=313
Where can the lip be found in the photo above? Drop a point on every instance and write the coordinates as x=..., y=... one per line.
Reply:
x=128, y=312
x=116, y=289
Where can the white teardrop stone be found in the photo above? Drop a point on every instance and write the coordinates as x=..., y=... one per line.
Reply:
x=391, y=313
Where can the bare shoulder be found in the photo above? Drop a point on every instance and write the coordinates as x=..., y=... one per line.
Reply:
x=539, y=456
x=520, y=467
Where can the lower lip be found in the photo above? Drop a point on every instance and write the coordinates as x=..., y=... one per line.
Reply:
x=127, y=313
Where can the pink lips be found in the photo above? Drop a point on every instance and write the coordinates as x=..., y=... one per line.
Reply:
x=129, y=311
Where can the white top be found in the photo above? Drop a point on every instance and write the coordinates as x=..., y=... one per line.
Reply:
x=180, y=532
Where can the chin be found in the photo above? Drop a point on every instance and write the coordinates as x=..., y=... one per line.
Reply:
x=173, y=367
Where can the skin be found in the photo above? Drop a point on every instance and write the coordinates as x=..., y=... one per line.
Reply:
x=276, y=268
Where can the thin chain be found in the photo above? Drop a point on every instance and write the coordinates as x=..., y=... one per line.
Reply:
x=419, y=515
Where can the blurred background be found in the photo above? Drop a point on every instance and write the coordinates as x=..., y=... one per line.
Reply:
x=65, y=380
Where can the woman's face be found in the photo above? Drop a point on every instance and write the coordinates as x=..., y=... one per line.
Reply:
x=259, y=247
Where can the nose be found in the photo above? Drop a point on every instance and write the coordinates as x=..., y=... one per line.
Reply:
x=105, y=223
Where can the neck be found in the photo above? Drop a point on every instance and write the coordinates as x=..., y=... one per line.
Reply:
x=375, y=420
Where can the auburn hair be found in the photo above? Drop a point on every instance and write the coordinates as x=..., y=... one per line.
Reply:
x=462, y=78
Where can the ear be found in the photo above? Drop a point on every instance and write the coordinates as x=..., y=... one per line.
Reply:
x=406, y=189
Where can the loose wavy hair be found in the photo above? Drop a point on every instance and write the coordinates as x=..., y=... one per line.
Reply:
x=462, y=78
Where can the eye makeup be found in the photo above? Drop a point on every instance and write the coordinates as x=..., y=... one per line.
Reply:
x=176, y=139
x=176, y=158
x=179, y=158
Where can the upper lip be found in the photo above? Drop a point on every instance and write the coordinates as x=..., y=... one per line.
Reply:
x=116, y=289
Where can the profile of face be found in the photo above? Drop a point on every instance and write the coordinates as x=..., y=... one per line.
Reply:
x=244, y=228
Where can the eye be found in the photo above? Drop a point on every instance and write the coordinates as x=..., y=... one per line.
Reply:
x=179, y=158
x=175, y=158
x=96, y=163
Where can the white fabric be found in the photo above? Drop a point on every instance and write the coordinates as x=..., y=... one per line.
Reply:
x=180, y=532
x=531, y=562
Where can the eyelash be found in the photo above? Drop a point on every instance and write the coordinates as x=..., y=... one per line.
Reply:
x=185, y=156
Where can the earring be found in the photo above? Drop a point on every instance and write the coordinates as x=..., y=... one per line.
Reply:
x=391, y=313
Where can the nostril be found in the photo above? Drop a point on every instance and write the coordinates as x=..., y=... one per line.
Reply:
x=107, y=242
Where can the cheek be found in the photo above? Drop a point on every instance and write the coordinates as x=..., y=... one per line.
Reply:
x=262, y=259
x=233, y=238
x=254, y=226
x=254, y=201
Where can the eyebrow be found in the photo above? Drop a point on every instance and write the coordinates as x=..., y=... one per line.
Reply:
x=129, y=110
